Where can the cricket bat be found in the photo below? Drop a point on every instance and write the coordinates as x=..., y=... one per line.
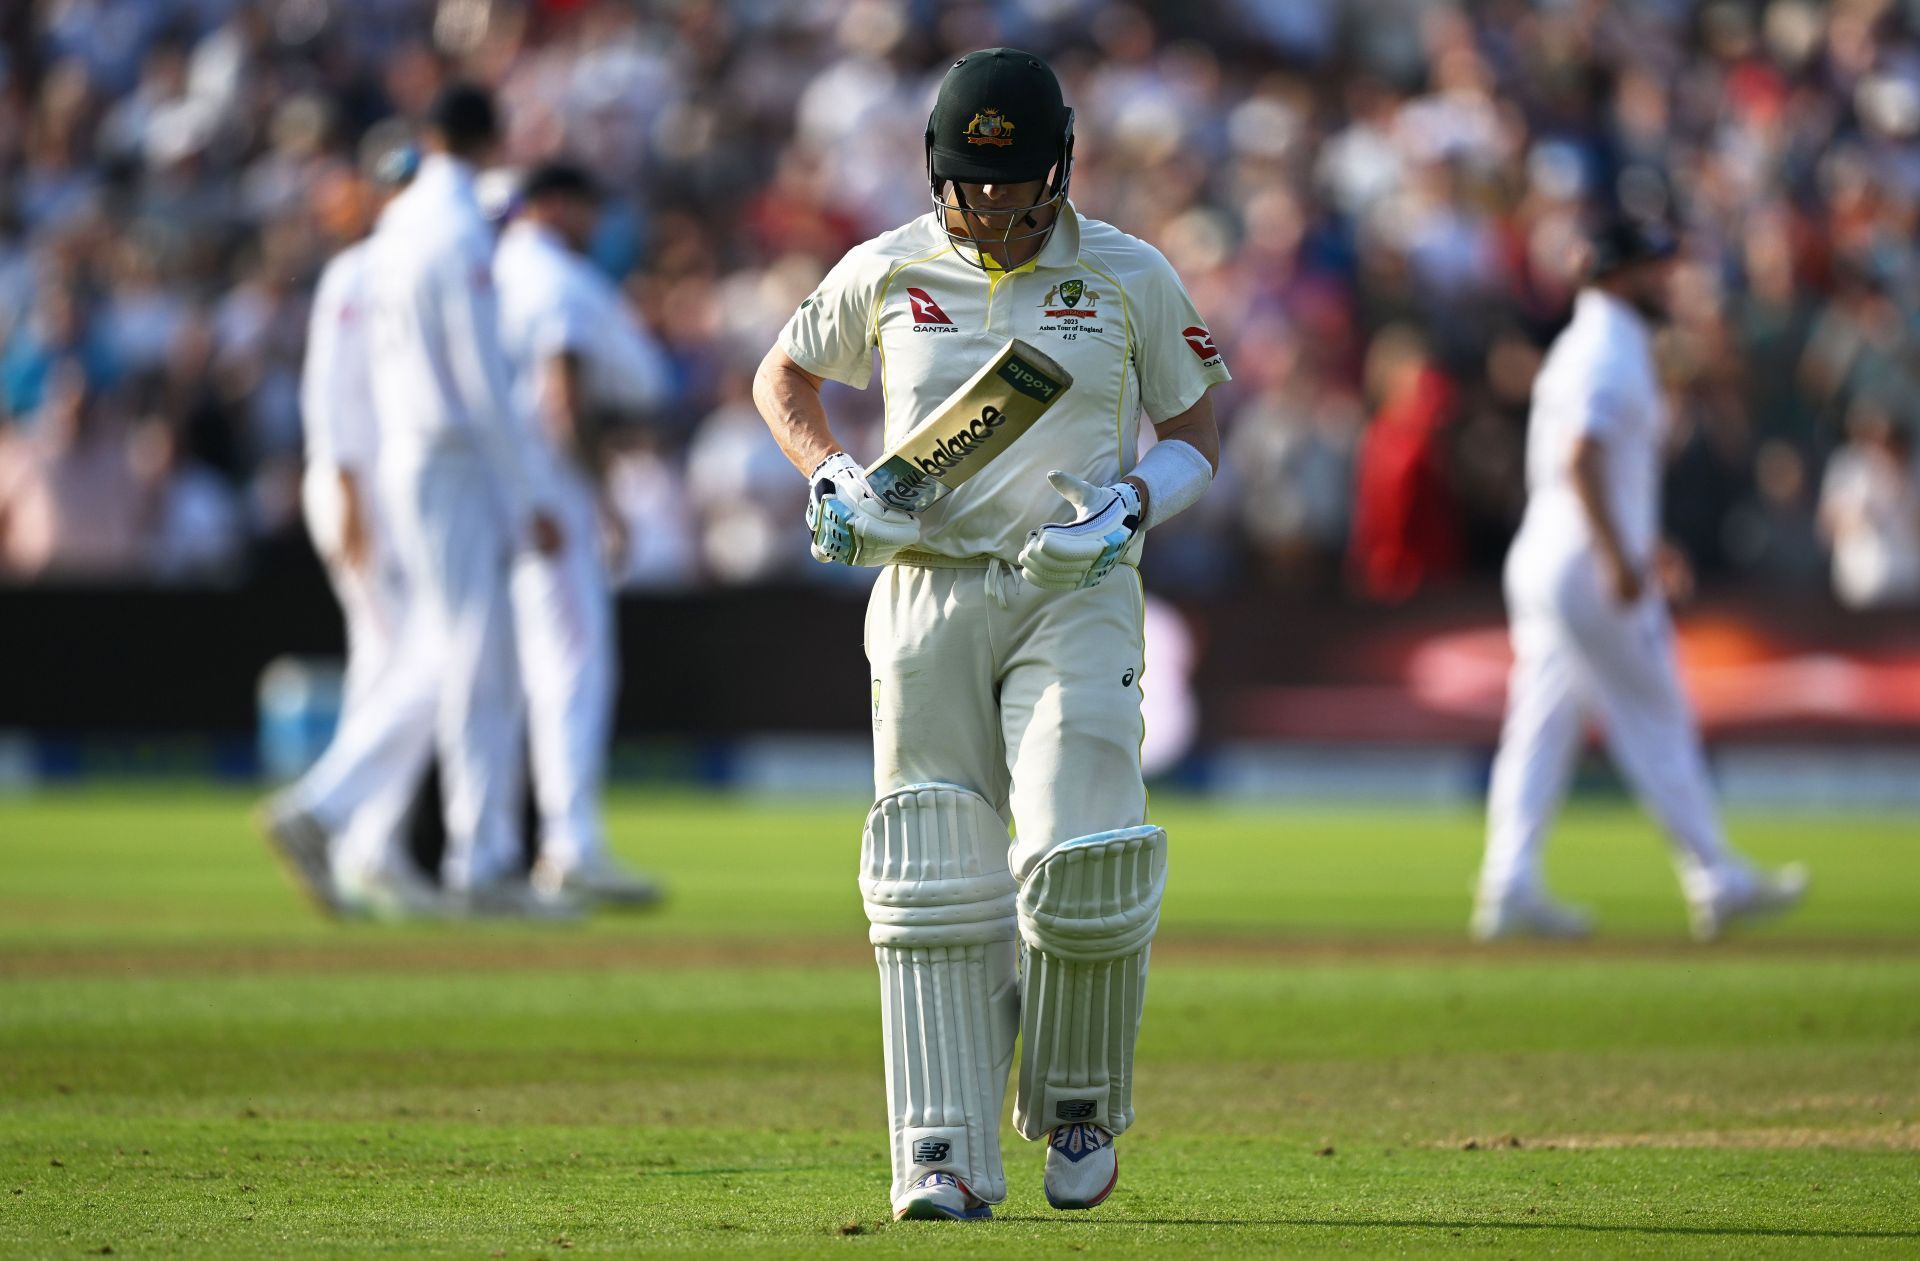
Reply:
x=970, y=429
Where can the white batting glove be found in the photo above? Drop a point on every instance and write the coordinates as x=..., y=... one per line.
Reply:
x=850, y=524
x=1084, y=550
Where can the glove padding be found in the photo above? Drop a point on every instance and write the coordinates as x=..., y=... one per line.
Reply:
x=1080, y=552
x=850, y=524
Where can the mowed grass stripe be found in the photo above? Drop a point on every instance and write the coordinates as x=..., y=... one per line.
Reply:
x=179, y=870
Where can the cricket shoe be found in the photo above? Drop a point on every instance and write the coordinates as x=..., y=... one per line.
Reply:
x=511, y=897
x=299, y=842
x=396, y=891
x=1746, y=894
x=1529, y=914
x=597, y=881
x=940, y=1197
x=1082, y=1166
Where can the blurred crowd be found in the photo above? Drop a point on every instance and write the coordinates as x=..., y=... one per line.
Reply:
x=1377, y=203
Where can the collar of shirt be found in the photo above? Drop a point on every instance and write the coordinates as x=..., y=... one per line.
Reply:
x=445, y=175
x=526, y=232
x=1061, y=250
x=1620, y=315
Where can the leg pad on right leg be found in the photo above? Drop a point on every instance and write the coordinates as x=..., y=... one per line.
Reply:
x=941, y=904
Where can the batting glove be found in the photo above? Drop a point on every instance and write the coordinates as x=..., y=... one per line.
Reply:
x=850, y=524
x=1084, y=550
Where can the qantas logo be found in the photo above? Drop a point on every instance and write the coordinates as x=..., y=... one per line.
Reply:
x=1202, y=343
x=927, y=315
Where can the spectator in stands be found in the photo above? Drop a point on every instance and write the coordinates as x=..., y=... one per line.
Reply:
x=169, y=170
x=71, y=503
x=1406, y=525
x=1870, y=512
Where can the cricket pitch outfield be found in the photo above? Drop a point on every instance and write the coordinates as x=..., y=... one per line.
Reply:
x=191, y=1065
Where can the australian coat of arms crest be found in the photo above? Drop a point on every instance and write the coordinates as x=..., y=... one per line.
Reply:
x=989, y=126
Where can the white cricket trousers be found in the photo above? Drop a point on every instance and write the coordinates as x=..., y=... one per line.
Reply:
x=377, y=754
x=1577, y=652
x=373, y=601
x=564, y=624
x=1030, y=698
x=452, y=537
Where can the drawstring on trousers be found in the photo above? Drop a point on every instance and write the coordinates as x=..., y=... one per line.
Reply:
x=1000, y=577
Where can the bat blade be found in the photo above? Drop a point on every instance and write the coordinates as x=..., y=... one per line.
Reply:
x=970, y=429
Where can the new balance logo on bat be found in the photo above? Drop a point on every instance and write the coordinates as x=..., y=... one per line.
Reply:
x=948, y=454
x=927, y=315
x=968, y=430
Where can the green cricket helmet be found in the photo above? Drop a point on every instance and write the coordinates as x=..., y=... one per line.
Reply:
x=999, y=119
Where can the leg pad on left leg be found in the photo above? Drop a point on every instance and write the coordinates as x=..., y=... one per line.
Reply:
x=1088, y=912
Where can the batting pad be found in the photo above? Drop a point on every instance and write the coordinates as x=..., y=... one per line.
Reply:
x=933, y=874
x=1087, y=916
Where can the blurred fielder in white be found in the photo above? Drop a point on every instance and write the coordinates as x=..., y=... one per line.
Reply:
x=459, y=485
x=1591, y=633
x=1004, y=638
x=376, y=755
x=578, y=356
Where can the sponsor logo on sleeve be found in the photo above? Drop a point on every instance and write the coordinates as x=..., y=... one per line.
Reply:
x=1201, y=343
x=927, y=315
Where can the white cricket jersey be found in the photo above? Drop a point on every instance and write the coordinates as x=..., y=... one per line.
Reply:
x=439, y=376
x=336, y=388
x=1599, y=381
x=1107, y=306
x=554, y=302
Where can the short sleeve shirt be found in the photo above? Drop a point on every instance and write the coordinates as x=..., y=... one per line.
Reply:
x=336, y=389
x=1598, y=382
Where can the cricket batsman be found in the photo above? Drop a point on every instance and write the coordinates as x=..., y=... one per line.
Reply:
x=1004, y=635
x=1591, y=633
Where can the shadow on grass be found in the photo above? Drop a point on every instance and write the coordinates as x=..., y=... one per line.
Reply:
x=1762, y=1232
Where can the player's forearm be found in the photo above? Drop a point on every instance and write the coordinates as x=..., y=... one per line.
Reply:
x=788, y=397
x=564, y=413
x=1179, y=482
x=1590, y=486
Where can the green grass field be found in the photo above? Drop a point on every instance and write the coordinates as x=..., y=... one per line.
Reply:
x=191, y=1065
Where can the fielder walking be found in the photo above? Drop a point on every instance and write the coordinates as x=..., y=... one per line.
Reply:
x=1591, y=633
x=1004, y=638
x=577, y=357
